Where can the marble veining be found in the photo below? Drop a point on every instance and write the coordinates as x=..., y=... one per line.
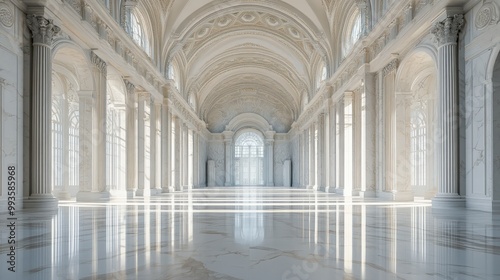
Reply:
x=254, y=233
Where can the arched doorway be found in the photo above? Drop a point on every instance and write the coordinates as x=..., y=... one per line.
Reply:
x=249, y=159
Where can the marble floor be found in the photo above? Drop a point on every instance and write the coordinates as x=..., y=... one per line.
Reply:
x=254, y=233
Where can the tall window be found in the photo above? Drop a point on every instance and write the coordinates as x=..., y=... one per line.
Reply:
x=138, y=34
x=74, y=148
x=352, y=33
x=418, y=149
x=57, y=145
x=249, y=160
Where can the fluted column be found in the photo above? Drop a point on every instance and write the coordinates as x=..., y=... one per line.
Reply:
x=63, y=193
x=320, y=152
x=368, y=125
x=270, y=157
x=228, y=144
x=332, y=172
x=305, y=158
x=141, y=146
x=301, y=160
x=339, y=188
x=131, y=115
x=446, y=33
x=196, y=159
x=185, y=155
x=166, y=147
x=43, y=30
x=153, y=154
x=312, y=156
x=349, y=150
x=99, y=189
x=85, y=108
x=177, y=153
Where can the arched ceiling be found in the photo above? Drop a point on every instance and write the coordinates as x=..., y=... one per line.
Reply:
x=247, y=56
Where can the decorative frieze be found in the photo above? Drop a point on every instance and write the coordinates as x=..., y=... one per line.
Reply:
x=98, y=62
x=392, y=66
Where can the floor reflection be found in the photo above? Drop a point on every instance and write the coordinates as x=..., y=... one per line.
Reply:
x=255, y=233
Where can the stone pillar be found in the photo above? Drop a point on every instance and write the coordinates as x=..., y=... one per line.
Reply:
x=312, y=155
x=131, y=116
x=177, y=154
x=228, y=144
x=287, y=173
x=332, y=172
x=128, y=6
x=142, y=190
x=368, y=140
x=100, y=76
x=446, y=33
x=305, y=158
x=43, y=30
x=300, y=159
x=63, y=193
x=185, y=156
x=196, y=159
x=339, y=188
x=166, y=147
x=402, y=142
x=320, y=153
x=153, y=119
x=349, y=149
x=269, y=154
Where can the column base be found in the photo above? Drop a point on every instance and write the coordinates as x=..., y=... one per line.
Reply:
x=63, y=195
x=329, y=189
x=92, y=196
x=118, y=194
x=167, y=190
x=397, y=196
x=367, y=194
x=131, y=194
x=310, y=187
x=483, y=204
x=41, y=202
x=143, y=192
x=345, y=192
x=448, y=202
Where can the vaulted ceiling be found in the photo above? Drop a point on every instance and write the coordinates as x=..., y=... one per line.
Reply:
x=246, y=55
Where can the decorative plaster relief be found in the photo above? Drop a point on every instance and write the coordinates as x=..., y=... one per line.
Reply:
x=487, y=15
x=6, y=15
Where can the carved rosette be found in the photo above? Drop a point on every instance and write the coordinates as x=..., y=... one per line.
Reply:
x=487, y=14
x=43, y=30
x=446, y=31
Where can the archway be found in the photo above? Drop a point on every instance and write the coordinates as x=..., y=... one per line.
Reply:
x=416, y=86
x=249, y=159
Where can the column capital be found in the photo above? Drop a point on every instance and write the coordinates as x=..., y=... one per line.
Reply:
x=446, y=31
x=98, y=62
x=43, y=30
x=129, y=86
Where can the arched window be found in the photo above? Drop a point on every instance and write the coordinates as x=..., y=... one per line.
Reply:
x=352, y=33
x=138, y=33
x=249, y=159
x=74, y=146
x=57, y=144
x=172, y=75
x=322, y=75
x=418, y=149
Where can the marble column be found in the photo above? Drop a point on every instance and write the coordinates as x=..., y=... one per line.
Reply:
x=153, y=120
x=368, y=140
x=228, y=144
x=142, y=190
x=63, y=193
x=312, y=156
x=349, y=149
x=270, y=157
x=177, y=153
x=300, y=159
x=196, y=159
x=185, y=156
x=100, y=191
x=166, y=147
x=304, y=158
x=340, y=165
x=446, y=33
x=332, y=171
x=402, y=143
x=131, y=116
x=320, y=153
x=43, y=30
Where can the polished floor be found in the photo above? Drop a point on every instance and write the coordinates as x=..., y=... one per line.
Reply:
x=254, y=233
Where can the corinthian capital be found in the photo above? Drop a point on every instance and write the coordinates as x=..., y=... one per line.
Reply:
x=446, y=31
x=43, y=30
